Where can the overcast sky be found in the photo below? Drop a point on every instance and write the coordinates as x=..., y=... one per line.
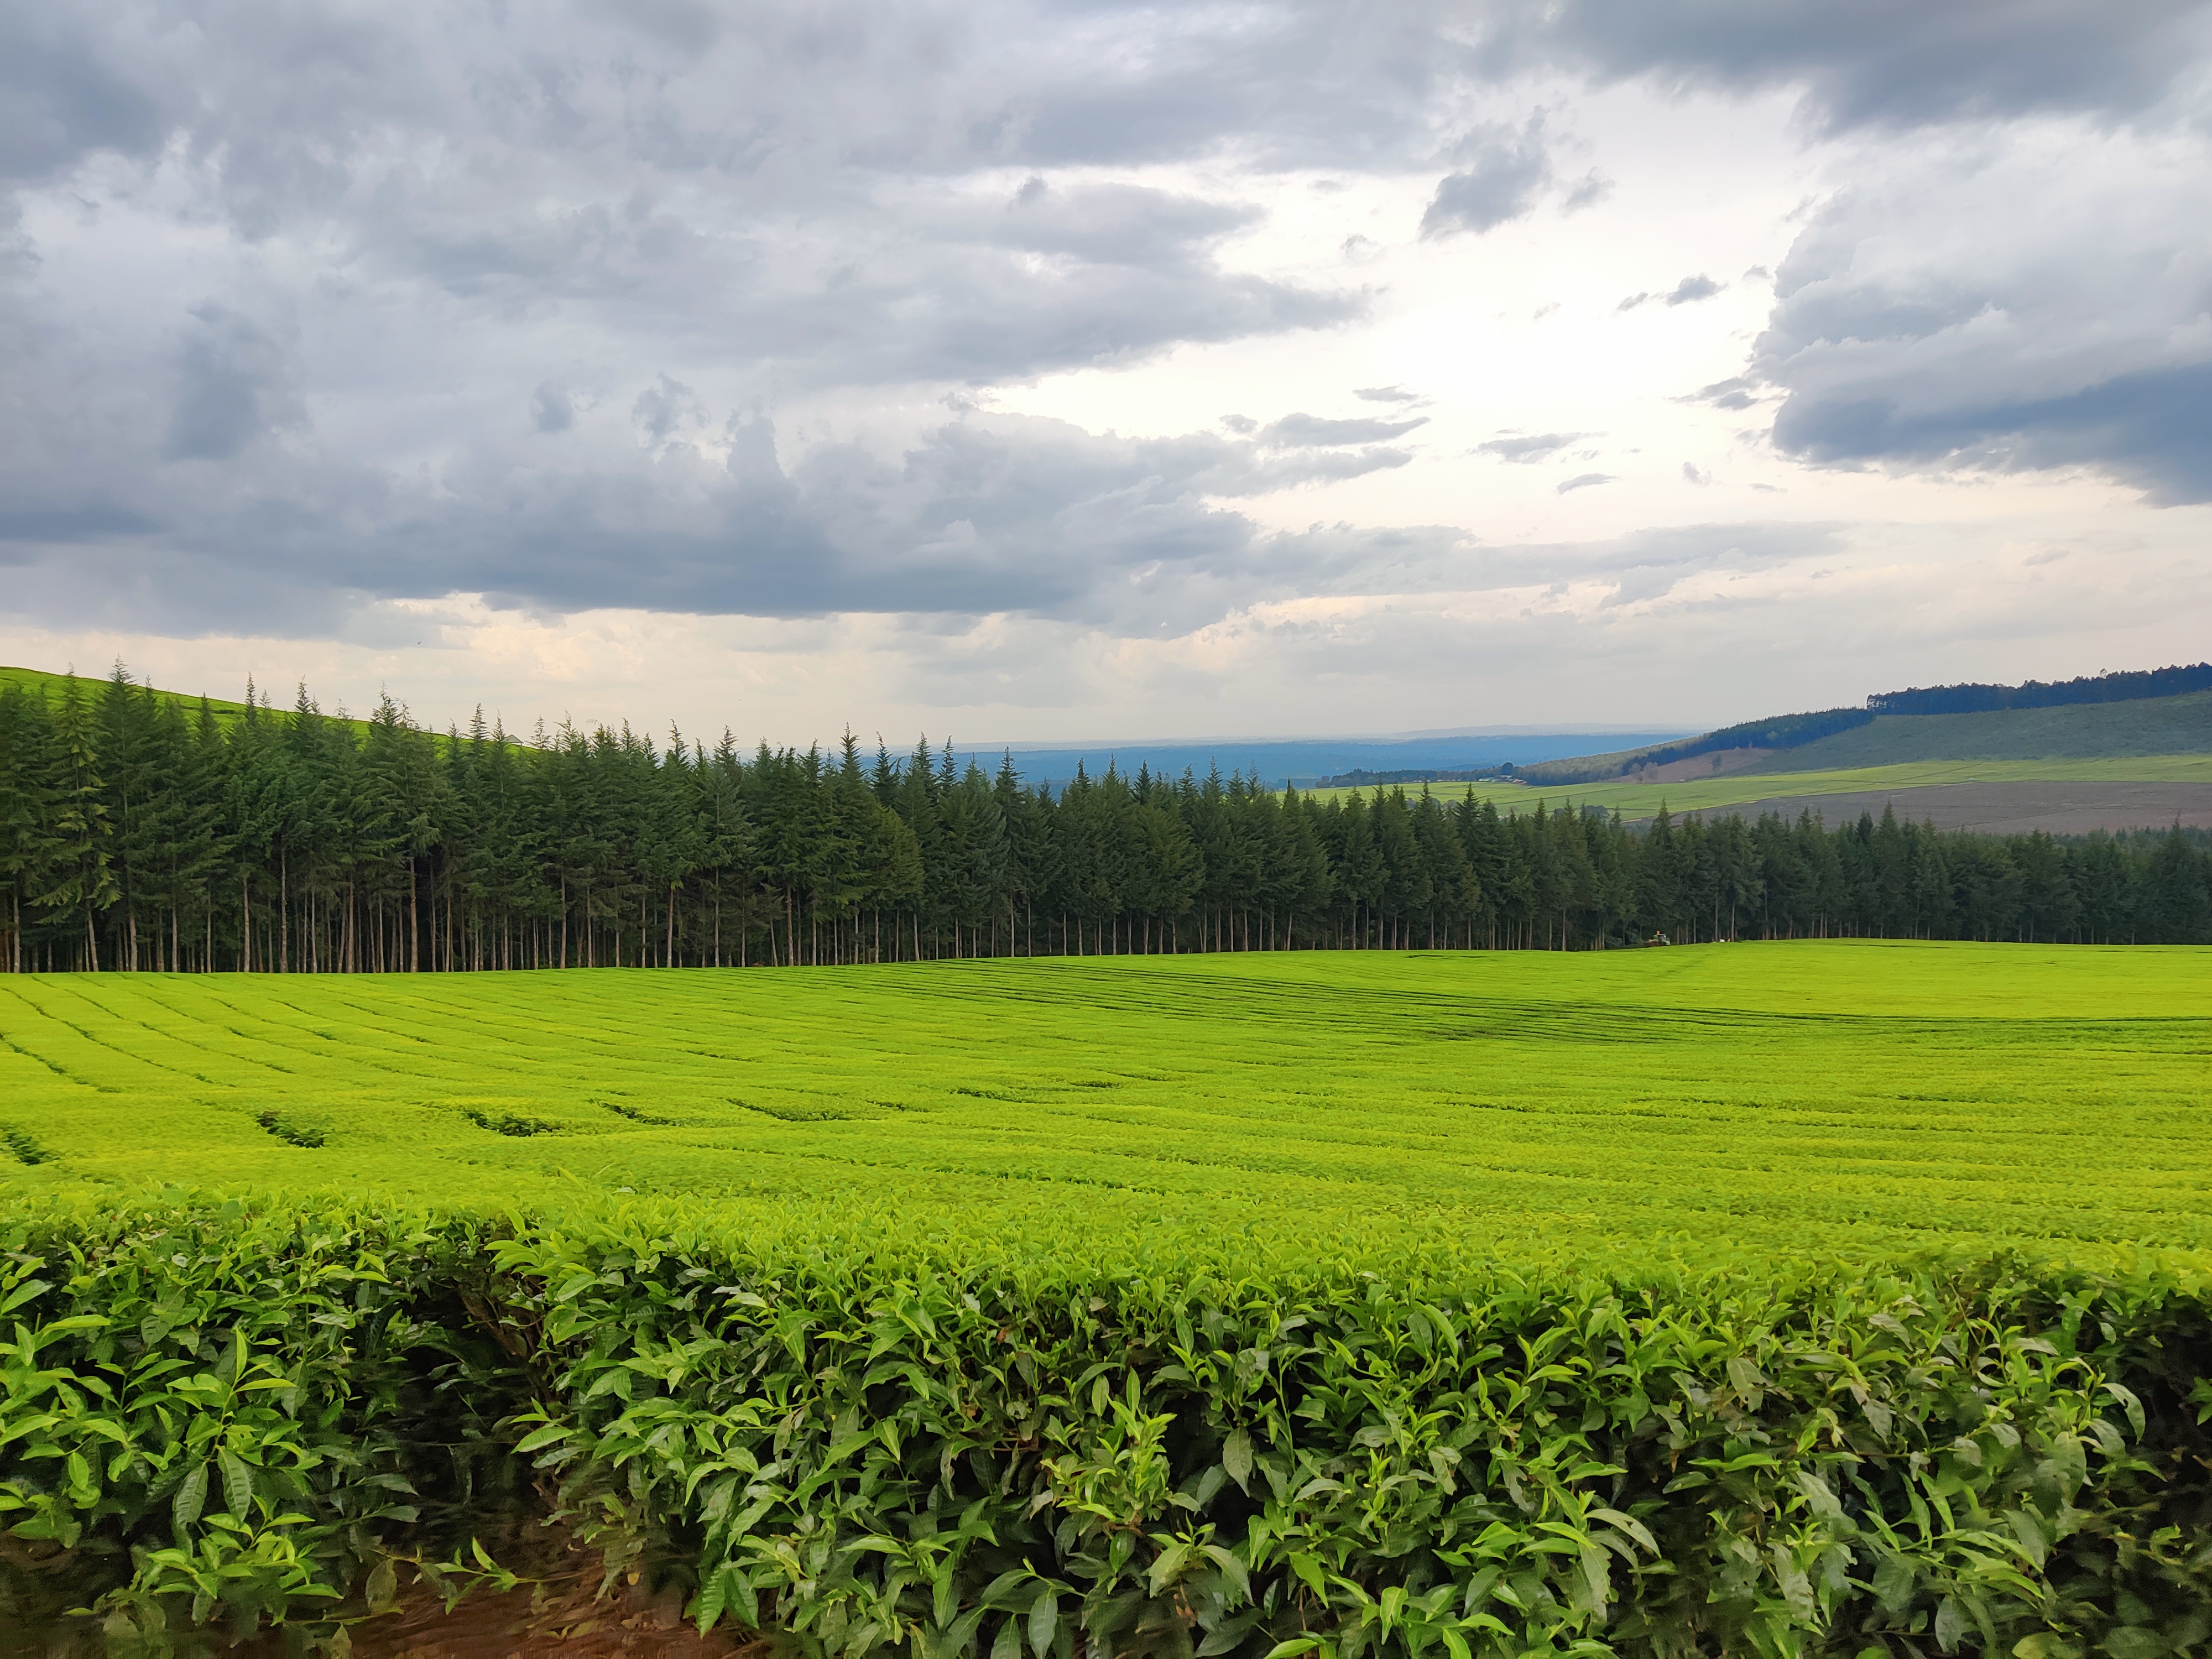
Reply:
x=1032, y=371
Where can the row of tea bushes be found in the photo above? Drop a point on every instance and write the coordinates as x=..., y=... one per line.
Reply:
x=869, y=1443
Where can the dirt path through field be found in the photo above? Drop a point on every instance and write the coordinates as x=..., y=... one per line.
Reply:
x=519, y=1626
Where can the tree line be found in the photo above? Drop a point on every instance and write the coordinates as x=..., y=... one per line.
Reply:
x=1780, y=731
x=2117, y=686
x=138, y=831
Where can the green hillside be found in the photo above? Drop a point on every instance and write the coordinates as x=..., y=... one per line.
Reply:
x=2096, y=730
x=1755, y=783
x=39, y=683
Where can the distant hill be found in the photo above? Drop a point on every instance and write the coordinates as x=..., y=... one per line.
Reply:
x=2096, y=730
x=2128, y=713
x=1759, y=736
x=2122, y=686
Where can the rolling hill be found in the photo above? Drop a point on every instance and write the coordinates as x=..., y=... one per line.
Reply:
x=38, y=682
x=2115, y=760
x=2095, y=731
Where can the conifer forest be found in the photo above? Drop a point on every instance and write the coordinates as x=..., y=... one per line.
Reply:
x=138, y=830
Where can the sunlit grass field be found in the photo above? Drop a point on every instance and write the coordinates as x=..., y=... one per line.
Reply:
x=1810, y=1098
x=1638, y=800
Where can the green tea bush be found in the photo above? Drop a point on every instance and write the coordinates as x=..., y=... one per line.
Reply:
x=876, y=1454
x=250, y=1412
x=226, y=1412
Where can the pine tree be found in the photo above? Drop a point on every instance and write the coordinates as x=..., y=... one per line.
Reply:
x=30, y=845
x=136, y=832
x=78, y=878
x=2173, y=902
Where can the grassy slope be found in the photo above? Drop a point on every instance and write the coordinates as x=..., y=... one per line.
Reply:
x=1828, y=1099
x=1638, y=800
x=2155, y=740
x=39, y=681
x=2154, y=726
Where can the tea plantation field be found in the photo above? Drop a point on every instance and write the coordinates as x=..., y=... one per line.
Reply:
x=1822, y=1097
x=1780, y=1299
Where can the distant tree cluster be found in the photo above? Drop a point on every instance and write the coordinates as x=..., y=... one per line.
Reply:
x=137, y=831
x=2127, y=686
x=1794, y=731
x=1360, y=777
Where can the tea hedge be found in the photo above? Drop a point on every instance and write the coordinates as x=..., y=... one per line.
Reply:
x=258, y=1410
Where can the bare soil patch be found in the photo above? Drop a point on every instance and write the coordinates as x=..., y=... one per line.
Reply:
x=1720, y=761
x=527, y=1624
x=557, y=1611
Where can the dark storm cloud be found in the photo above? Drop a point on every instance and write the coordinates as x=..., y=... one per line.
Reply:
x=67, y=92
x=550, y=409
x=1888, y=63
x=911, y=283
x=989, y=513
x=234, y=383
x=1054, y=279
x=70, y=525
x=2069, y=337
x=2147, y=427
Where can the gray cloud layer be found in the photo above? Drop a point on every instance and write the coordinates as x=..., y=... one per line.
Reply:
x=1932, y=322
x=1879, y=62
x=983, y=515
x=410, y=300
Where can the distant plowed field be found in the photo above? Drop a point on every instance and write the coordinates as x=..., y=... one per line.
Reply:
x=1824, y=1096
x=2012, y=809
x=2145, y=791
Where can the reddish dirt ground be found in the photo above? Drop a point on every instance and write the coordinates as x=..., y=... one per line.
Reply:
x=524, y=1624
x=556, y=1615
x=521, y=1625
